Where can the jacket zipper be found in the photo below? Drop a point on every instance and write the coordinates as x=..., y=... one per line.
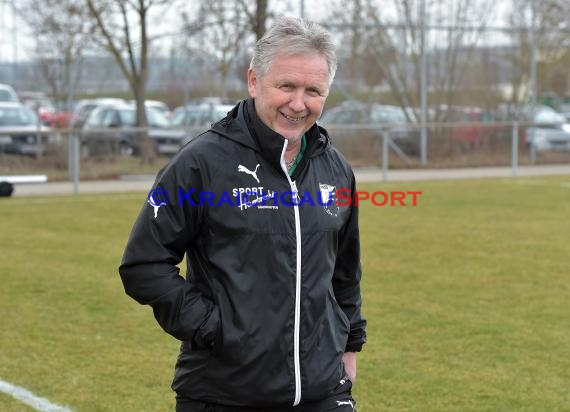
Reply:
x=296, y=350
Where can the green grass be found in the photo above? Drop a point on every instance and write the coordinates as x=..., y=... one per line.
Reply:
x=466, y=295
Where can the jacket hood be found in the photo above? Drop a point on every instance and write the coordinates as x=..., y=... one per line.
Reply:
x=243, y=125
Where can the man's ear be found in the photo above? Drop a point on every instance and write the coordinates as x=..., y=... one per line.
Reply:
x=251, y=82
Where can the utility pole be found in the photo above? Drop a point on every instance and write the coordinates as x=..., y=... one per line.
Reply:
x=14, y=45
x=532, y=80
x=2, y=27
x=423, y=86
x=6, y=30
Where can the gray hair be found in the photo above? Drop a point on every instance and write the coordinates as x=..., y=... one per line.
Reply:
x=293, y=36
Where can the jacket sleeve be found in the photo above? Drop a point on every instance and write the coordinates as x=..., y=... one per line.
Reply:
x=158, y=241
x=347, y=275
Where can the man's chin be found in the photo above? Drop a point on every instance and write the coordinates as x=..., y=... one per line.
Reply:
x=291, y=135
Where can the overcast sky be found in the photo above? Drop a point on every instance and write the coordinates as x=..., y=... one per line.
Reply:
x=11, y=33
x=16, y=41
x=17, y=44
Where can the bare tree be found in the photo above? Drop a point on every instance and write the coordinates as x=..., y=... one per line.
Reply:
x=541, y=24
x=519, y=55
x=218, y=31
x=62, y=36
x=558, y=81
x=222, y=31
x=123, y=30
x=552, y=34
x=389, y=40
x=257, y=22
x=351, y=18
x=256, y=18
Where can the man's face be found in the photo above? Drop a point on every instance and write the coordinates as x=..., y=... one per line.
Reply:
x=290, y=97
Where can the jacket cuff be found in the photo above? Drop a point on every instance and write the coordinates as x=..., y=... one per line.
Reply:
x=353, y=347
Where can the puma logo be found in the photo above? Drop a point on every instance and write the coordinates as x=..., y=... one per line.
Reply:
x=249, y=172
x=156, y=207
x=156, y=198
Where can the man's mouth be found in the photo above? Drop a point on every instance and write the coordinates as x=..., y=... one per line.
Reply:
x=293, y=118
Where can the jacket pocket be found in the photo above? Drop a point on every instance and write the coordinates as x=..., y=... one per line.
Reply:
x=341, y=316
x=206, y=336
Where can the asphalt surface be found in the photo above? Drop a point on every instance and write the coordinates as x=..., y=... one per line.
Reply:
x=143, y=183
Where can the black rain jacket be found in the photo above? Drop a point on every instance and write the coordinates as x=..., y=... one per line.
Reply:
x=271, y=300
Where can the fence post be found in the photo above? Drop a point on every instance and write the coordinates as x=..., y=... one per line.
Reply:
x=424, y=85
x=515, y=148
x=70, y=159
x=75, y=145
x=532, y=145
x=385, y=157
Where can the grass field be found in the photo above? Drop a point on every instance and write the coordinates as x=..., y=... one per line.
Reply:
x=467, y=298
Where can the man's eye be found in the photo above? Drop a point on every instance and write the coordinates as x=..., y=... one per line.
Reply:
x=286, y=87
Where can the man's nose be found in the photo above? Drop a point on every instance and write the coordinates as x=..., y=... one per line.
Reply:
x=297, y=102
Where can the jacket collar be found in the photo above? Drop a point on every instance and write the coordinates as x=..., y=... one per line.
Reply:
x=244, y=126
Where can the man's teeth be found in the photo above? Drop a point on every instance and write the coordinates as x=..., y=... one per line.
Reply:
x=293, y=119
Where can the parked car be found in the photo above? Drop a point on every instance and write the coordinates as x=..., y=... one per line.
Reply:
x=84, y=107
x=196, y=118
x=565, y=111
x=564, y=107
x=110, y=129
x=157, y=105
x=40, y=104
x=21, y=131
x=48, y=113
x=7, y=94
x=471, y=127
x=354, y=122
x=212, y=100
x=551, y=130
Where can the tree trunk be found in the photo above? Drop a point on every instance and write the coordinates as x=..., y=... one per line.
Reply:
x=260, y=18
x=144, y=143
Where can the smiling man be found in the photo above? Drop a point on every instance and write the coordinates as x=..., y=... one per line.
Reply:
x=269, y=313
x=290, y=96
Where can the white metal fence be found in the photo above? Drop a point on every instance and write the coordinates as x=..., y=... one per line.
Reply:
x=59, y=155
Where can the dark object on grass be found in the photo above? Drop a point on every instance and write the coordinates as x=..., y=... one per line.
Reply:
x=6, y=189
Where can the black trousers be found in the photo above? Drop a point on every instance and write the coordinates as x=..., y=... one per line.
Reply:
x=340, y=401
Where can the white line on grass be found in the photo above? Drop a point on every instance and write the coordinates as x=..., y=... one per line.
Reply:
x=108, y=197
x=27, y=397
